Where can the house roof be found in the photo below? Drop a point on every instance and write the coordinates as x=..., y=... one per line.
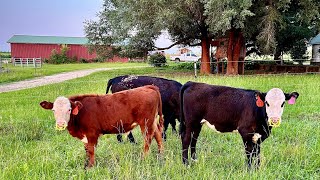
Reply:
x=315, y=40
x=47, y=40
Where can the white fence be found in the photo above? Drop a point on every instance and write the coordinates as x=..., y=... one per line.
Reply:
x=27, y=62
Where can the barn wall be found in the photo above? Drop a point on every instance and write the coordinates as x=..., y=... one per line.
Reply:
x=20, y=50
x=32, y=50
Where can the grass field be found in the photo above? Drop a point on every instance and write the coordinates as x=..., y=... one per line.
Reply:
x=30, y=147
x=17, y=73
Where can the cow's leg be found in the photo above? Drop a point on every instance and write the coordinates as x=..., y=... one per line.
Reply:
x=253, y=154
x=185, y=138
x=173, y=123
x=89, y=147
x=165, y=125
x=157, y=135
x=148, y=135
x=194, y=139
x=131, y=138
x=252, y=149
x=119, y=137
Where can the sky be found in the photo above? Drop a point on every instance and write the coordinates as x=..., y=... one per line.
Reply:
x=51, y=18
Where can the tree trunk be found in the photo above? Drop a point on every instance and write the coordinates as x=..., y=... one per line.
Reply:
x=205, y=56
x=277, y=56
x=236, y=52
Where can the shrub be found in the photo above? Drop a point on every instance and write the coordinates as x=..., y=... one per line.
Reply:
x=83, y=60
x=253, y=65
x=61, y=58
x=157, y=60
x=187, y=65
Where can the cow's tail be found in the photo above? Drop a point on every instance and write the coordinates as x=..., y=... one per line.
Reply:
x=109, y=85
x=182, y=128
x=160, y=124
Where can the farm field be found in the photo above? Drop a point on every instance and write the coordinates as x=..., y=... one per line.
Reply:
x=30, y=147
x=17, y=73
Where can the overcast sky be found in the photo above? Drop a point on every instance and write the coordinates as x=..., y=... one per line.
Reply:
x=49, y=18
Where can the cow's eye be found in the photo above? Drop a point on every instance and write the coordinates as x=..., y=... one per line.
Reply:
x=267, y=103
x=282, y=104
x=69, y=110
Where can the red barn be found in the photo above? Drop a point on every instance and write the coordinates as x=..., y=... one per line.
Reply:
x=25, y=46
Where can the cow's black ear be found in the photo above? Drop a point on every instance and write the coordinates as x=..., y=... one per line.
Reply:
x=291, y=98
x=46, y=105
x=261, y=95
x=293, y=94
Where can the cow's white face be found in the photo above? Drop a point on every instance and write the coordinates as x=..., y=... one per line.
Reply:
x=62, y=110
x=274, y=103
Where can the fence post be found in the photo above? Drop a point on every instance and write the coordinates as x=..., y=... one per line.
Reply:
x=195, y=69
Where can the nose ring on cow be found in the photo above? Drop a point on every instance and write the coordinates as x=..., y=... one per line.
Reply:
x=61, y=127
x=274, y=121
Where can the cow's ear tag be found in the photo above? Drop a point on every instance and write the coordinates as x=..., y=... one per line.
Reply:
x=259, y=102
x=75, y=111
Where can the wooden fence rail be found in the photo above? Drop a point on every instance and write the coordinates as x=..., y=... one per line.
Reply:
x=27, y=62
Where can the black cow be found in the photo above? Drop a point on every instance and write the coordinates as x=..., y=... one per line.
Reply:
x=169, y=91
x=228, y=109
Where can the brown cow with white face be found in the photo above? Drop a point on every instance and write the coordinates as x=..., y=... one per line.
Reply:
x=88, y=116
x=228, y=109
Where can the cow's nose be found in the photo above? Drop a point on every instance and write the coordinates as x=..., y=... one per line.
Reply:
x=275, y=119
x=61, y=125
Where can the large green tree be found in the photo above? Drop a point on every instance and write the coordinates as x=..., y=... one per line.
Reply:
x=297, y=27
x=185, y=20
x=283, y=26
x=135, y=25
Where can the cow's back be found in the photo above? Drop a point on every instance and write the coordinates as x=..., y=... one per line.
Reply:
x=119, y=110
x=166, y=87
x=224, y=107
x=169, y=89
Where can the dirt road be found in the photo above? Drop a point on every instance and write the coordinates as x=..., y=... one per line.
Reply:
x=41, y=81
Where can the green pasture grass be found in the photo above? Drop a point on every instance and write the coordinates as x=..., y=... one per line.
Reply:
x=18, y=73
x=5, y=54
x=30, y=147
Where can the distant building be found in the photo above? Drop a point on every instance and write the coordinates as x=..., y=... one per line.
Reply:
x=315, y=42
x=25, y=46
x=184, y=50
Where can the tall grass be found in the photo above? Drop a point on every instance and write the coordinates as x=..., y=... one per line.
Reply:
x=30, y=148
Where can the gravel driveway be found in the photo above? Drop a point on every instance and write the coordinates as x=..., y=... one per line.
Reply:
x=41, y=81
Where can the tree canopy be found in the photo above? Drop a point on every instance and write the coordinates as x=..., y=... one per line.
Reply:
x=135, y=25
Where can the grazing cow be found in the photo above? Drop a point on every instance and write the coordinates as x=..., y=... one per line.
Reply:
x=227, y=109
x=88, y=116
x=169, y=91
